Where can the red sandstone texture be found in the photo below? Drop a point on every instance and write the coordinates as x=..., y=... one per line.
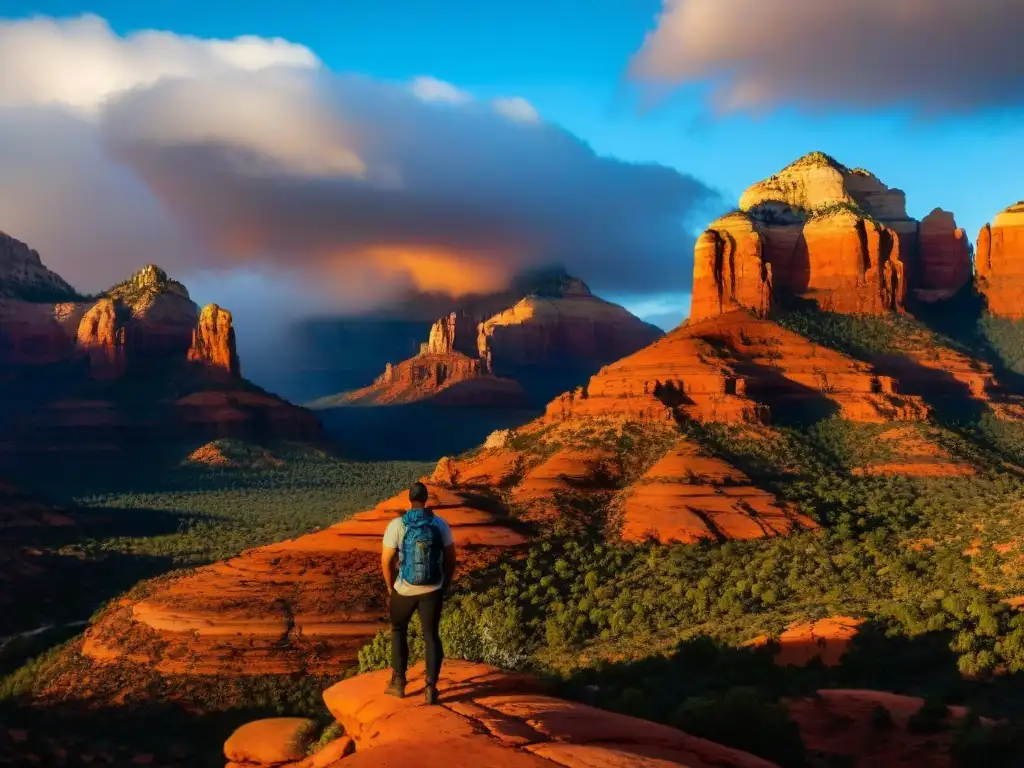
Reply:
x=825, y=639
x=944, y=266
x=102, y=338
x=571, y=328
x=914, y=453
x=737, y=368
x=492, y=719
x=818, y=230
x=213, y=343
x=999, y=263
x=688, y=496
x=307, y=604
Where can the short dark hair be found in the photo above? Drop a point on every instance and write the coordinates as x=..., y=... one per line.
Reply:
x=418, y=492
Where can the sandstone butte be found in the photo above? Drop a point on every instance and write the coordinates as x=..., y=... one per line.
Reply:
x=466, y=361
x=139, y=326
x=999, y=263
x=492, y=719
x=822, y=232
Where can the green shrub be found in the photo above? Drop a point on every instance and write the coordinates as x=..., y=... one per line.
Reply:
x=742, y=718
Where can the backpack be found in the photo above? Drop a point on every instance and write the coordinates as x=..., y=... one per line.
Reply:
x=422, y=550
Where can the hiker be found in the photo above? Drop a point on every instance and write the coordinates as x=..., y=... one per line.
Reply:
x=418, y=562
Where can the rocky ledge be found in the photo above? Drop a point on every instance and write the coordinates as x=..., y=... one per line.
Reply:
x=485, y=718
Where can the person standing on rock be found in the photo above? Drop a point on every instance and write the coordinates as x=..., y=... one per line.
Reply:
x=418, y=562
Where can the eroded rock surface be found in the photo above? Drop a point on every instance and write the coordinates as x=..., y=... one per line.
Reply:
x=307, y=604
x=836, y=236
x=999, y=263
x=490, y=718
x=469, y=360
x=737, y=368
x=449, y=378
x=561, y=330
x=213, y=343
x=688, y=496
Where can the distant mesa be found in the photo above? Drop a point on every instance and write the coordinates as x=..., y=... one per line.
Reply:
x=477, y=359
x=139, y=362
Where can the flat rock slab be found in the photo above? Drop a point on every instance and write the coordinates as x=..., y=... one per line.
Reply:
x=493, y=719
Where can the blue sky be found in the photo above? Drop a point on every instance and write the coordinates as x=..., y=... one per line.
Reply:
x=569, y=59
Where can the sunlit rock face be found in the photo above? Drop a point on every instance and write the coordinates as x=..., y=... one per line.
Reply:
x=999, y=263
x=836, y=236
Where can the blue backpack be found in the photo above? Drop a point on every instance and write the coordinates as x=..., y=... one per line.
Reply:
x=422, y=549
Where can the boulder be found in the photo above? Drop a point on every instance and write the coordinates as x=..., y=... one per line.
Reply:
x=274, y=741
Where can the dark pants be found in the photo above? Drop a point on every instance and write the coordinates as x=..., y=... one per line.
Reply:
x=402, y=609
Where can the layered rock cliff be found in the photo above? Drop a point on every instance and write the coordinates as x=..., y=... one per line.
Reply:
x=213, y=343
x=442, y=378
x=471, y=361
x=58, y=360
x=999, y=263
x=23, y=275
x=101, y=336
x=836, y=236
x=561, y=330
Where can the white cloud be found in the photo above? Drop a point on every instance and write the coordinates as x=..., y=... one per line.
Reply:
x=431, y=89
x=80, y=62
x=217, y=156
x=932, y=55
x=517, y=108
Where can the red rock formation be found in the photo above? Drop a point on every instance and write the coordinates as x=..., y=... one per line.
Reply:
x=944, y=257
x=102, y=338
x=999, y=263
x=730, y=271
x=736, y=368
x=274, y=741
x=34, y=334
x=491, y=718
x=321, y=592
x=803, y=642
x=445, y=379
x=453, y=333
x=572, y=328
x=853, y=265
x=213, y=343
x=23, y=275
x=688, y=496
x=818, y=230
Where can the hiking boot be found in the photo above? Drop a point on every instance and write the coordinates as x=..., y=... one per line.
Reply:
x=430, y=694
x=397, y=687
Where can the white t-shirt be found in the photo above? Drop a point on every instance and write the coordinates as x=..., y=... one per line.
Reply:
x=393, y=540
